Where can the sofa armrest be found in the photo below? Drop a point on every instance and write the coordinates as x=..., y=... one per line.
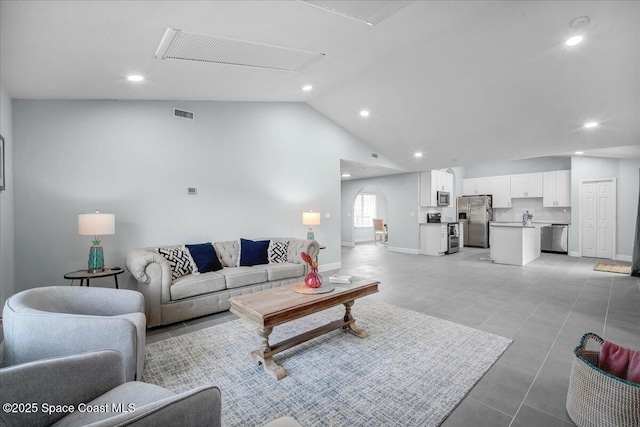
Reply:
x=57, y=381
x=139, y=260
x=298, y=246
x=153, y=273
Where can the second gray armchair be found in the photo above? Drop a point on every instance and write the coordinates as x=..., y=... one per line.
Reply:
x=63, y=320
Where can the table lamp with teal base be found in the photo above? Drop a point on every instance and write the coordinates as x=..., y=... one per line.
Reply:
x=96, y=224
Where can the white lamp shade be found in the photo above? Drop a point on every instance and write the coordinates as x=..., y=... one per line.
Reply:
x=311, y=218
x=96, y=224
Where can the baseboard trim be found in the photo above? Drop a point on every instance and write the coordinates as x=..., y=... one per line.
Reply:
x=576, y=254
x=627, y=258
x=349, y=244
x=404, y=250
x=330, y=266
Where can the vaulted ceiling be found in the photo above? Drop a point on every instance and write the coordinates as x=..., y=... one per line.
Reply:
x=461, y=81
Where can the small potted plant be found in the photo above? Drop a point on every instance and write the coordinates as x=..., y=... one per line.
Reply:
x=529, y=218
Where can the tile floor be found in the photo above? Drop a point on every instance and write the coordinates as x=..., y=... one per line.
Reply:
x=545, y=307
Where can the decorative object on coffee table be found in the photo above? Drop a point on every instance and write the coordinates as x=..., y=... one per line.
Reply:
x=96, y=224
x=313, y=279
x=302, y=288
x=310, y=218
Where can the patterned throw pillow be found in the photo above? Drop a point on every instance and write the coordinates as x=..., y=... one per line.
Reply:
x=179, y=259
x=278, y=251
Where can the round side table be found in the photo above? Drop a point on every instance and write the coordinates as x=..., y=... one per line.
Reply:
x=83, y=275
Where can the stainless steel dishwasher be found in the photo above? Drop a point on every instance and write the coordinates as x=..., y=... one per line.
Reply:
x=555, y=238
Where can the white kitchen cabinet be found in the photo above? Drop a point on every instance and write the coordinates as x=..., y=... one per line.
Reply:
x=434, y=239
x=477, y=186
x=430, y=183
x=526, y=185
x=501, y=191
x=556, y=190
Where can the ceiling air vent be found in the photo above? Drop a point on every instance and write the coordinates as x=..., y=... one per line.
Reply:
x=368, y=11
x=183, y=114
x=181, y=45
x=374, y=155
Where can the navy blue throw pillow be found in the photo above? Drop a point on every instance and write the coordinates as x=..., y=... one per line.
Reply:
x=205, y=257
x=253, y=252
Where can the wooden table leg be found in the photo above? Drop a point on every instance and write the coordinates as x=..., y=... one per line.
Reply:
x=351, y=327
x=263, y=355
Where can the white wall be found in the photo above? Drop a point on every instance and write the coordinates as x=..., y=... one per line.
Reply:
x=257, y=167
x=402, y=193
x=538, y=164
x=7, y=271
x=628, y=193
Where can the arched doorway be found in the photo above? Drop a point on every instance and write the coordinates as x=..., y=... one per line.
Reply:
x=369, y=203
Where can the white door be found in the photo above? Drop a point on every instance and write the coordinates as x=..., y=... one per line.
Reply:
x=598, y=205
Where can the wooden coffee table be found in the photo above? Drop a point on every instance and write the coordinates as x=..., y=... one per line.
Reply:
x=273, y=307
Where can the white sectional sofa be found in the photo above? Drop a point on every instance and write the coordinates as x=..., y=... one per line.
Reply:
x=168, y=301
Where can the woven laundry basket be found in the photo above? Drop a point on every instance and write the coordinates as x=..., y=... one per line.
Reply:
x=596, y=398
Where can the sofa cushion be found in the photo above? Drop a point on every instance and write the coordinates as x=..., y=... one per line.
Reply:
x=237, y=277
x=253, y=252
x=189, y=286
x=228, y=252
x=282, y=270
x=277, y=251
x=179, y=260
x=205, y=258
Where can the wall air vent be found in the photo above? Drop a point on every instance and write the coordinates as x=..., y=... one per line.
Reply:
x=370, y=12
x=374, y=155
x=183, y=114
x=181, y=45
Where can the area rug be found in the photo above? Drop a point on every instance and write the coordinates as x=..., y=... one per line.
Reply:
x=613, y=268
x=412, y=370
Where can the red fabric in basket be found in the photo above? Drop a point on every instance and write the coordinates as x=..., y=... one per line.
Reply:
x=620, y=362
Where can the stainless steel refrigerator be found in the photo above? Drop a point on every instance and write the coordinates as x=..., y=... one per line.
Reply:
x=475, y=212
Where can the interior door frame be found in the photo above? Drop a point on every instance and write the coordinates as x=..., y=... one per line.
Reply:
x=615, y=215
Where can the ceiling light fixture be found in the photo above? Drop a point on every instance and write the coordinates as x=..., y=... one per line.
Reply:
x=574, y=40
x=135, y=78
x=346, y=175
x=307, y=88
x=418, y=154
x=579, y=152
x=364, y=113
x=591, y=125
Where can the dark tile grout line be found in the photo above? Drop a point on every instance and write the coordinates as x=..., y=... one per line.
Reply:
x=584, y=285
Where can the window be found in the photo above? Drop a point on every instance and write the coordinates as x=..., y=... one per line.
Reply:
x=364, y=210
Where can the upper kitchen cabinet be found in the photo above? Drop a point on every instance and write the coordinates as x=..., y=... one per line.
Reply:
x=430, y=183
x=477, y=186
x=526, y=185
x=556, y=189
x=502, y=191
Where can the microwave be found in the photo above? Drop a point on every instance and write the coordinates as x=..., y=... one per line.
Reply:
x=443, y=198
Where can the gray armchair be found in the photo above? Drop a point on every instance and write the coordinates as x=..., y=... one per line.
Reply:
x=63, y=320
x=93, y=381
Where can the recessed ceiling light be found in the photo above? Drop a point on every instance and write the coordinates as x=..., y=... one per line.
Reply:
x=579, y=152
x=574, y=40
x=346, y=175
x=591, y=125
x=307, y=88
x=364, y=113
x=418, y=154
x=135, y=78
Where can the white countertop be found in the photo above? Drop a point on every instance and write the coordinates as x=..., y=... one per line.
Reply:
x=515, y=225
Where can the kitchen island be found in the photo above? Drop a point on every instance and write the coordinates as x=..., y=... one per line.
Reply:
x=514, y=243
